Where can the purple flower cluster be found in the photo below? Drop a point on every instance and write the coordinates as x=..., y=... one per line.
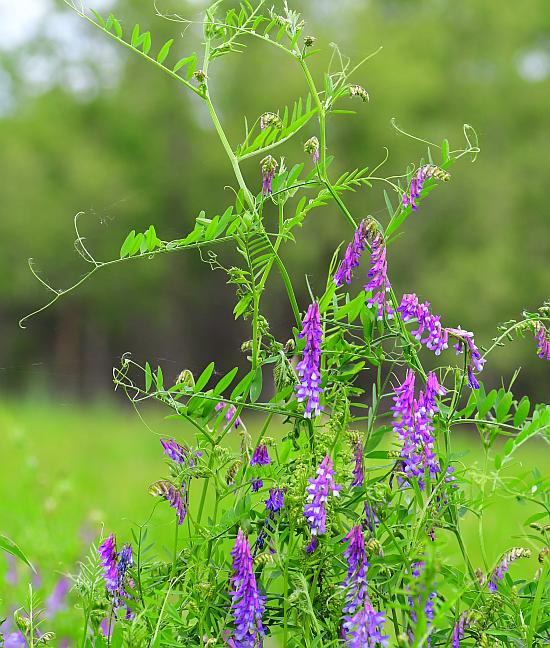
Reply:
x=276, y=500
x=504, y=565
x=414, y=425
x=115, y=566
x=362, y=626
x=318, y=492
x=417, y=183
x=247, y=603
x=466, y=341
x=543, y=342
x=308, y=368
x=353, y=255
x=178, y=498
x=459, y=629
x=260, y=456
x=358, y=469
x=379, y=284
x=428, y=601
x=229, y=413
x=268, y=165
x=435, y=337
x=179, y=453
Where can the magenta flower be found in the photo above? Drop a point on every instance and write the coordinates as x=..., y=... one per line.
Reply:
x=276, y=500
x=459, y=629
x=436, y=337
x=229, y=413
x=179, y=453
x=358, y=470
x=428, y=601
x=247, y=603
x=109, y=557
x=543, y=342
x=260, y=456
x=308, y=369
x=318, y=491
x=466, y=342
x=362, y=626
x=353, y=255
x=268, y=165
x=57, y=601
x=504, y=565
x=379, y=284
x=417, y=183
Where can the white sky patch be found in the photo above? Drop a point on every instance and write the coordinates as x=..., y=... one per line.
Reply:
x=534, y=66
x=20, y=20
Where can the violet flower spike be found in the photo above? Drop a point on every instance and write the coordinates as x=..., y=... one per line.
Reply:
x=429, y=611
x=57, y=601
x=268, y=165
x=178, y=453
x=308, y=368
x=318, y=491
x=543, y=341
x=257, y=484
x=379, y=284
x=247, y=604
x=352, y=256
x=276, y=500
x=260, y=456
x=358, y=469
x=418, y=180
x=362, y=625
x=459, y=629
x=436, y=337
x=504, y=565
x=108, y=554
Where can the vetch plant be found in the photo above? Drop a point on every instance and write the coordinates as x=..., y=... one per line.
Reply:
x=344, y=526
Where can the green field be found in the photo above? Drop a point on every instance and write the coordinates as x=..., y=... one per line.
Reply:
x=68, y=472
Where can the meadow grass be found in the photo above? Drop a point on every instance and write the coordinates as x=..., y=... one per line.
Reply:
x=70, y=471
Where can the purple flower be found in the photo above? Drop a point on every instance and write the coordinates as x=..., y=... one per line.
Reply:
x=312, y=147
x=178, y=498
x=466, y=341
x=308, y=369
x=371, y=517
x=421, y=598
x=436, y=337
x=362, y=625
x=276, y=500
x=268, y=165
x=414, y=426
x=364, y=629
x=358, y=474
x=353, y=255
x=504, y=565
x=229, y=413
x=257, y=484
x=179, y=453
x=417, y=183
x=318, y=492
x=459, y=628
x=260, y=456
x=379, y=284
x=14, y=640
x=313, y=544
x=247, y=603
x=108, y=553
x=543, y=342
x=125, y=560
x=356, y=578
x=56, y=602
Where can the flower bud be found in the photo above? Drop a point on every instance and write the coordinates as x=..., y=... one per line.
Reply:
x=309, y=41
x=270, y=119
x=312, y=147
x=358, y=91
x=186, y=379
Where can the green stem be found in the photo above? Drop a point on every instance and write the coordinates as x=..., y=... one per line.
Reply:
x=536, y=604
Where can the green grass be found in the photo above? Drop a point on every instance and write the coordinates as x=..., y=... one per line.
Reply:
x=69, y=471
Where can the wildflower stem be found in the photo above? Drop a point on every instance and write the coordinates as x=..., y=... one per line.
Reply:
x=536, y=603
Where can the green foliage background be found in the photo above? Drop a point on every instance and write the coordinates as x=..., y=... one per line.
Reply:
x=130, y=148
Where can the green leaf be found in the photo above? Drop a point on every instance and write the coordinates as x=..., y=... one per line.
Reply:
x=256, y=386
x=203, y=379
x=148, y=377
x=136, y=244
x=445, y=150
x=484, y=407
x=98, y=17
x=522, y=411
x=503, y=407
x=146, y=44
x=165, y=49
x=9, y=545
x=135, y=36
x=127, y=245
x=151, y=240
x=183, y=61
x=160, y=379
x=224, y=383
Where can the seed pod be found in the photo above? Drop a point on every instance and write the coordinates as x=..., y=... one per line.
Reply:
x=232, y=472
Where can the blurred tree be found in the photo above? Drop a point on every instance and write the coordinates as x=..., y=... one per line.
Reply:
x=86, y=127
